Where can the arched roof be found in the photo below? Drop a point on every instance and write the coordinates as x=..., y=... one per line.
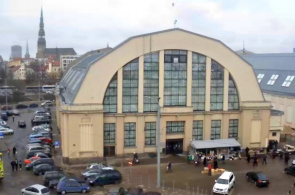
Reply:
x=100, y=71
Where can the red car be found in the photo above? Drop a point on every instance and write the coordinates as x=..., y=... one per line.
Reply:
x=45, y=140
x=6, y=107
x=27, y=161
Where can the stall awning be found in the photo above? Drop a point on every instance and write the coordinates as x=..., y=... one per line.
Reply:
x=218, y=143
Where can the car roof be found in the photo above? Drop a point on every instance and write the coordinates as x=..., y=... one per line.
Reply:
x=225, y=175
x=38, y=186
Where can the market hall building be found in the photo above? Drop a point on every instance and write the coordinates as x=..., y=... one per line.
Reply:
x=107, y=103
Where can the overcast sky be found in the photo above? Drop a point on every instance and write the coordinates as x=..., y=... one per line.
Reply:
x=265, y=25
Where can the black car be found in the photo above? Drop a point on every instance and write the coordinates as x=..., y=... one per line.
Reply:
x=134, y=191
x=290, y=170
x=43, y=168
x=21, y=106
x=40, y=120
x=258, y=178
x=9, y=112
x=33, y=105
x=106, y=177
x=21, y=123
x=38, y=162
x=52, y=175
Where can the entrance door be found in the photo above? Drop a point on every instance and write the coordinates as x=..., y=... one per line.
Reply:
x=109, y=151
x=174, y=146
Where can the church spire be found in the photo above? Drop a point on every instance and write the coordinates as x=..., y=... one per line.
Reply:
x=27, y=51
x=41, y=39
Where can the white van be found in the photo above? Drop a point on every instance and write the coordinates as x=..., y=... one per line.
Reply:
x=224, y=183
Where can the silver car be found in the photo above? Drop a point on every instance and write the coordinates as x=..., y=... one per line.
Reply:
x=6, y=131
x=36, y=189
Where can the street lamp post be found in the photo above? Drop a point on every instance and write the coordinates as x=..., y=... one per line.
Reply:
x=158, y=137
x=159, y=145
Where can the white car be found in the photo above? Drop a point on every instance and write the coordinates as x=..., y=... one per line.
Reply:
x=224, y=183
x=36, y=189
x=40, y=128
x=293, y=162
x=99, y=166
x=6, y=131
x=2, y=122
x=47, y=103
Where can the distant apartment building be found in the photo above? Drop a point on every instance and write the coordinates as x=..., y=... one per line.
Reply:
x=16, y=51
x=65, y=60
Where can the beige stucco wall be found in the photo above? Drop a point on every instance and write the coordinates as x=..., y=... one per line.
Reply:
x=102, y=71
x=285, y=104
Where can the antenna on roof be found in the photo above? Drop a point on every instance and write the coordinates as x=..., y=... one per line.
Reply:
x=107, y=45
x=175, y=21
x=244, y=47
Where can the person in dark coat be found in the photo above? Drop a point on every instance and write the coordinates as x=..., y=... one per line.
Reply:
x=14, y=150
x=215, y=163
x=248, y=158
x=287, y=158
x=264, y=160
x=247, y=150
x=169, y=167
x=281, y=155
x=255, y=163
x=223, y=158
x=12, y=165
x=205, y=161
x=16, y=164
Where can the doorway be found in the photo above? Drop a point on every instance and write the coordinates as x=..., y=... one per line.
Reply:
x=109, y=151
x=174, y=146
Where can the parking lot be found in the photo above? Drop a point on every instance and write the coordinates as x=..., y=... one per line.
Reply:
x=185, y=178
x=14, y=181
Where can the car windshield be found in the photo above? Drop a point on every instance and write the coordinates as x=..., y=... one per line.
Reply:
x=44, y=190
x=261, y=176
x=222, y=181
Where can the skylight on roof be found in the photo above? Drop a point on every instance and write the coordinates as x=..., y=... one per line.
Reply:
x=260, y=77
x=272, y=79
x=288, y=81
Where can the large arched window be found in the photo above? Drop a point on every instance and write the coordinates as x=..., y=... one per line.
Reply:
x=151, y=82
x=175, y=78
x=110, y=97
x=217, y=85
x=199, y=81
x=130, y=86
x=233, y=97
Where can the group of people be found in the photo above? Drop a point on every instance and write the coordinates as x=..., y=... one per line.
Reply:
x=264, y=157
x=215, y=163
x=15, y=164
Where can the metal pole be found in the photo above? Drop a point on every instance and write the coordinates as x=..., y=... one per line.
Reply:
x=159, y=145
x=6, y=85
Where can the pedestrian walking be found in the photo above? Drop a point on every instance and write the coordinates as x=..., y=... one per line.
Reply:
x=169, y=167
x=286, y=158
x=209, y=169
x=205, y=161
x=248, y=158
x=20, y=164
x=281, y=155
x=14, y=150
x=16, y=164
x=12, y=165
x=215, y=163
x=223, y=159
x=264, y=160
x=8, y=152
x=247, y=150
x=255, y=163
x=12, y=118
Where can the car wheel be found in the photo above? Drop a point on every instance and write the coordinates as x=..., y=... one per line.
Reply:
x=63, y=192
x=83, y=191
